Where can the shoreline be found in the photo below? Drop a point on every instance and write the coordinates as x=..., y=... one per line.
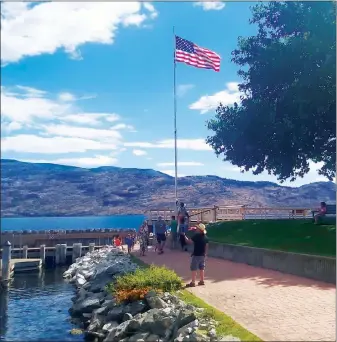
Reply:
x=158, y=317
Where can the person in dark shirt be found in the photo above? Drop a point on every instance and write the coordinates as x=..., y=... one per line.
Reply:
x=200, y=248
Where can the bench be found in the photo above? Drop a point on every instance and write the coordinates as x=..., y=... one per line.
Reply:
x=330, y=214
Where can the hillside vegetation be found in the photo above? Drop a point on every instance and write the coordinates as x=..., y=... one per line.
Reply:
x=29, y=189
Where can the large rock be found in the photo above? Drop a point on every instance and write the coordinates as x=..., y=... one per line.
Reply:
x=187, y=316
x=155, y=302
x=115, y=314
x=156, y=322
x=108, y=327
x=135, y=308
x=124, y=330
x=140, y=337
x=86, y=306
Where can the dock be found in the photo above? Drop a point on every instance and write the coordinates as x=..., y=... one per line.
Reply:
x=24, y=265
x=25, y=259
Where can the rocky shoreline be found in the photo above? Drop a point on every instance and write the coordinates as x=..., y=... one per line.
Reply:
x=159, y=317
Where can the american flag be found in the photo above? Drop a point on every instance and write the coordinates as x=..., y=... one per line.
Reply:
x=192, y=54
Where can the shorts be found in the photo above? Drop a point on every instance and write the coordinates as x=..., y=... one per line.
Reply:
x=161, y=238
x=182, y=228
x=197, y=263
x=174, y=236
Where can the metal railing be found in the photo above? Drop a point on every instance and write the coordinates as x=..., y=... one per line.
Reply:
x=231, y=213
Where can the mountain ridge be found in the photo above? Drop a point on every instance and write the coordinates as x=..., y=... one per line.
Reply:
x=47, y=189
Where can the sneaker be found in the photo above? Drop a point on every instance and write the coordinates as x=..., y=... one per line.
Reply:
x=191, y=284
x=201, y=283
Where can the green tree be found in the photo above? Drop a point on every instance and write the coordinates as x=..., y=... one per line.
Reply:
x=287, y=114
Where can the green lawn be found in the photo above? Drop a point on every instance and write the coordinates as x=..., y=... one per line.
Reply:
x=299, y=236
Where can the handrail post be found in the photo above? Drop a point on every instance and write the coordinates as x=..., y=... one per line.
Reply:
x=6, y=261
x=25, y=252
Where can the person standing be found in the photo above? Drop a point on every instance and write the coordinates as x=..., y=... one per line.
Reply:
x=183, y=217
x=198, y=259
x=143, y=238
x=174, y=231
x=129, y=242
x=160, y=227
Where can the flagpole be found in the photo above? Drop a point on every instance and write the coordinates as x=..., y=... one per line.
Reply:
x=175, y=119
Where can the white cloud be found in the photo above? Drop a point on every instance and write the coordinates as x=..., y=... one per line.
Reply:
x=231, y=168
x=172, y=173
x=92, y=119
x=151, y=9
x=31, y=92
x=139, y=153
x=182, y=89
x=227, y=97
x=123, y=126
x=66, y=97
x=184, y=144
x=12, y=126
x=210, y=5
x=35, y=144
x=95, y=161
x=44, y=28
x=181, y=164
x=83, y=132
x=29, y=106
x=25, y=104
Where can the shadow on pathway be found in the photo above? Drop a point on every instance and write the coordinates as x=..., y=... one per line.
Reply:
x=270, y=304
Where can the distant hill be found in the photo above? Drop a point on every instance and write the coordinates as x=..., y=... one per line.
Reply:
x=29, y=189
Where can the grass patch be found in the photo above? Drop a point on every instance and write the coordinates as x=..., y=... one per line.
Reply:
x=135, y=285
x=226, y=325
x=299, y=236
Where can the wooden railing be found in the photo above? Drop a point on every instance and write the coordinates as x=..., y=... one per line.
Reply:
x=230, y=213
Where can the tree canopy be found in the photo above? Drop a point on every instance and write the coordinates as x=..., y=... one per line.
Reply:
x=287, y=114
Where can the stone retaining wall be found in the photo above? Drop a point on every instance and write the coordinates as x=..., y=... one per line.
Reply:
x=302, y=265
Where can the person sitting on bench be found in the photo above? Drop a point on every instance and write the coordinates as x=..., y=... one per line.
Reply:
x=321, y=212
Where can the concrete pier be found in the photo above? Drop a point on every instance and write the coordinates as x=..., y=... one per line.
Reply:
x=77, y=251
x=6, y=262
x=61, y=254
x=25, y=252
x=91, y=247
x=43, y=254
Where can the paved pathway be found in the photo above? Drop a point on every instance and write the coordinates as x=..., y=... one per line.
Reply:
x=270, y=304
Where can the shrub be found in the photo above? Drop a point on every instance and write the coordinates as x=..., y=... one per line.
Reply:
x=160, y=279
x=130, y=295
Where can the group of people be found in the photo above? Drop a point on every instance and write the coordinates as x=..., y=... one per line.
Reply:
x=129, y=241
x=178, y=230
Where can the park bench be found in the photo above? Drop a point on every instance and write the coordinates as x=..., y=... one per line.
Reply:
x=330, y=213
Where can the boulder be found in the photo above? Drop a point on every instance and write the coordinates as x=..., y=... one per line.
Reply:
x=127, y=316
x=140, y=337
x=109, y=326
x=86, y=306
x=156, y=322
x=124, y=330
x=155, y=302
x=187, y=316
x=152, y=338
x=115, y=314
x=96, y=323
x=136, y=307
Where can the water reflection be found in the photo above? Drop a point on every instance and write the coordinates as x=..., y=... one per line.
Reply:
x=35, y=307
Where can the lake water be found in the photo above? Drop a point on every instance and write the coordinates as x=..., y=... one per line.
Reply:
x=35, y=308
x=62, y=223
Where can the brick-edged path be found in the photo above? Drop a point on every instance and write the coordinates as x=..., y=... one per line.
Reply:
x=270, y=304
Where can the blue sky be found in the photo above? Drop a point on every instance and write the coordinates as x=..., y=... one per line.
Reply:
x=91, y=84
